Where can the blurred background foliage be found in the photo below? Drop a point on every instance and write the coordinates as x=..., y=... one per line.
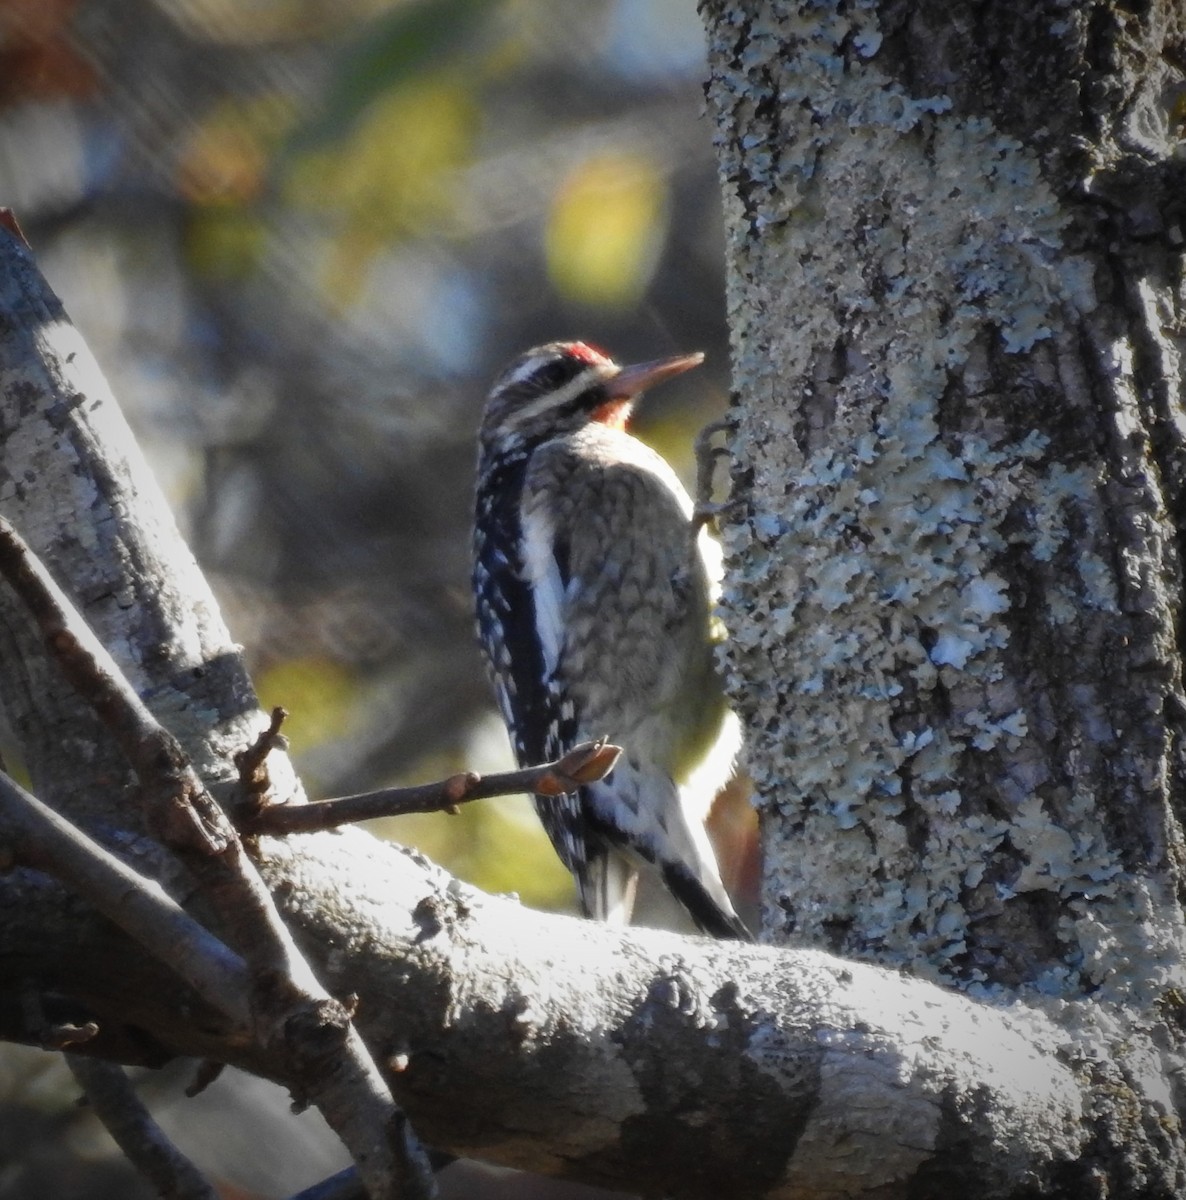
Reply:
x=301, y=236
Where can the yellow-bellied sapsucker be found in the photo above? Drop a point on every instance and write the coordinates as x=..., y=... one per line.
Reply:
x=594, y=593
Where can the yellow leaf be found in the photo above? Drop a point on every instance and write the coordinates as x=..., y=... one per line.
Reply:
x=319, y=694
x=390, y=178
x=606, y=229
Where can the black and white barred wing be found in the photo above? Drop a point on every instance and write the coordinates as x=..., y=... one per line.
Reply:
x=622, y=602
x=509, y=630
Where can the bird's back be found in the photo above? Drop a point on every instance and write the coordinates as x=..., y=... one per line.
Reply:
x=633, y=648
x=595, y=599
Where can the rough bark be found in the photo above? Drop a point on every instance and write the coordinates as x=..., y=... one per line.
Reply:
x=960, y=448
x=955, y=255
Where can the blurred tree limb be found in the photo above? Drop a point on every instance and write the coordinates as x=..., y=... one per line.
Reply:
x=114, y=1100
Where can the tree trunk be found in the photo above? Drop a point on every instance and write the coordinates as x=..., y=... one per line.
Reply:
x=955, y=259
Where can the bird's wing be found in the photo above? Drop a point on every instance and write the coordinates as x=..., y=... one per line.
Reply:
x=516, y=638
x=621, y=596
x=622, y=601
x=607, y=553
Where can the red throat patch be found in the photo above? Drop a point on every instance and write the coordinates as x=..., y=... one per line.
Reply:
x=614, y=413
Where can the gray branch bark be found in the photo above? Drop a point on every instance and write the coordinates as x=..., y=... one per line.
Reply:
x=646, y=1060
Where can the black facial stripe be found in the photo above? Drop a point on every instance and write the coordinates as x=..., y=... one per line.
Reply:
x=556, y=374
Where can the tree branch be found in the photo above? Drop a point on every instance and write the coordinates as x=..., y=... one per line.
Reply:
x=645, y=1060
x=115, y=1103
x=41, y=838
x=292, y=1013
x=583, y=764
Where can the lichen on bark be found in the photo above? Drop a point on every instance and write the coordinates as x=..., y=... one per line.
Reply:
x=952, y=596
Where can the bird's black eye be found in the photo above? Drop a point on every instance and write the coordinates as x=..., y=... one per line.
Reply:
x=556, y=374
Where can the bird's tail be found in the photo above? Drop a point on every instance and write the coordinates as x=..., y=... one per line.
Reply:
x=607, y=886
x=643, y=819
x=713, y=913
x=694, y=879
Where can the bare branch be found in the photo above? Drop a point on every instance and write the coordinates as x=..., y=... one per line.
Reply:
x=546, y=1043
x=252, y=763
x=41, y=838
x=179, y=808
x=114, y=1101
x=323, y=1056
x=583, y=764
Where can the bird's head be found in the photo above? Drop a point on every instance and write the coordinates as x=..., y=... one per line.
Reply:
x=557, y=388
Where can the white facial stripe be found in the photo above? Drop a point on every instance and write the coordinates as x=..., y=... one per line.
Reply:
x=527, y=369
x=561, y=396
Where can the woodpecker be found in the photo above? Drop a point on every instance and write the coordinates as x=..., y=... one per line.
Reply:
x=594, y=592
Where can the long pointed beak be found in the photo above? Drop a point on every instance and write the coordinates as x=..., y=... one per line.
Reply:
x=629, y=381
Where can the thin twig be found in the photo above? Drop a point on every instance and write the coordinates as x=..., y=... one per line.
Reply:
x=252, y=763
x=178, y=807
x=295, y=1017
x=114, y=1101
x=41, y=838
x=583, y=764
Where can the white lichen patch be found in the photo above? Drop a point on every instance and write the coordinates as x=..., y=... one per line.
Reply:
x=883, y=247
